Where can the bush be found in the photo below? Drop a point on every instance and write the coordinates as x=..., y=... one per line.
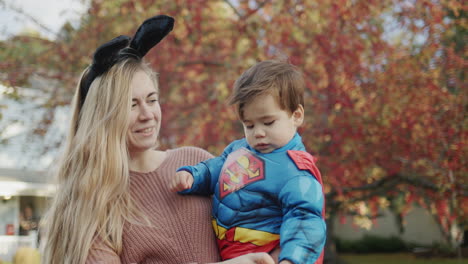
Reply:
x=371, y=244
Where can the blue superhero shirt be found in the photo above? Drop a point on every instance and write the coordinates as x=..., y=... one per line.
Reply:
x=262, y=200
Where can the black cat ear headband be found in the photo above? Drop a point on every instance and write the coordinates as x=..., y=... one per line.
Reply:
x=148, y=35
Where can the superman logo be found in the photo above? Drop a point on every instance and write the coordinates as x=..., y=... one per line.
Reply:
x=241, y=168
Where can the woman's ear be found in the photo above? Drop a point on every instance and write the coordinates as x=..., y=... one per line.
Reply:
x=298, y=116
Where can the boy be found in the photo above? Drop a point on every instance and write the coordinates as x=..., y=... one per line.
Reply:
x=267, y=190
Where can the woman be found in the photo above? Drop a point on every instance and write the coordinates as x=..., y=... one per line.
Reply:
x=112, y=204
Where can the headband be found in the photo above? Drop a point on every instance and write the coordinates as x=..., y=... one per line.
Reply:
x=148, y=35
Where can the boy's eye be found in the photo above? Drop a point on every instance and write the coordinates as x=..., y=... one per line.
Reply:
x=269, y=123
x=248, y=126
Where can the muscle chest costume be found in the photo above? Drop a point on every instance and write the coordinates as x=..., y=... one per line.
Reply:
x=262, y=200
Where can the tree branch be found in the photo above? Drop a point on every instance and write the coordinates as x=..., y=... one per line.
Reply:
x=250, y=13
x=203, y=62
x=260, y=6
x=370, y=216
x=33, y=19
x=233, y=8
x=382, y=186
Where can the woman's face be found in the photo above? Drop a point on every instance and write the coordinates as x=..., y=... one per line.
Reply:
x=145, y=115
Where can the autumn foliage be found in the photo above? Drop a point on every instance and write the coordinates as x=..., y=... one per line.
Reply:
x=386, y=100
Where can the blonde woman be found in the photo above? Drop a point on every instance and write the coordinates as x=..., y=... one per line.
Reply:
x=112, y=204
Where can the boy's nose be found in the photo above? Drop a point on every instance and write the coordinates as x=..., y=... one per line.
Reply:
x=259, y=132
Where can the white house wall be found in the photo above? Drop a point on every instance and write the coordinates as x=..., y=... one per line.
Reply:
x=419, y=227
x=9, y=212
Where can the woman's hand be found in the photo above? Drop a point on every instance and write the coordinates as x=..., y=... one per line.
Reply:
x=251, y=258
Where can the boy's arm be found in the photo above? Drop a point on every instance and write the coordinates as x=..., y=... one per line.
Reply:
x=205, y=174
x=303, y=231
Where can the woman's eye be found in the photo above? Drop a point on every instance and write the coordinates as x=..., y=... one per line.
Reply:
x=152, y=101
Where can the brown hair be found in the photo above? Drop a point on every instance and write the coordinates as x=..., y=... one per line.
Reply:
x=280, y=79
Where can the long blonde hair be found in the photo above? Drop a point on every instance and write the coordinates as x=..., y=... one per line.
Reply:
x=93, y=197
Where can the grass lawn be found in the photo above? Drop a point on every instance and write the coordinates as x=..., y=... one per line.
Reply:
x=398, y=258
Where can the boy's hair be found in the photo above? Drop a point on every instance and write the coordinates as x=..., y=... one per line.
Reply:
x=280, y=79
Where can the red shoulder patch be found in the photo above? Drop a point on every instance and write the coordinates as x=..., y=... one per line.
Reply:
x=305, y=161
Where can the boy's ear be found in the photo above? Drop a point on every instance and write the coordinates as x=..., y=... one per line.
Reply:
x=298, y=116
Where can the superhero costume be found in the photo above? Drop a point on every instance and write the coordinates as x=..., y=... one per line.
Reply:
x=262, y=200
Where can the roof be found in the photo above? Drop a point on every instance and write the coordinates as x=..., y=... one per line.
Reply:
x=20, y=182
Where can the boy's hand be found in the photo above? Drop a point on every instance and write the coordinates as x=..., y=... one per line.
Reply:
x=183, y=180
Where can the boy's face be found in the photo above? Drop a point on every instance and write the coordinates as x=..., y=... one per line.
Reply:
x=268, y=127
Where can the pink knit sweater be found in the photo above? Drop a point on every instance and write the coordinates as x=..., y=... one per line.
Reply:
x=182, y=230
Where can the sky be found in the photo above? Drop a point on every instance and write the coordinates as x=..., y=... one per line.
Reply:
x=19, y=147
x=50, y=13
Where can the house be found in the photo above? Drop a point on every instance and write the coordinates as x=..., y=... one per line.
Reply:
x=419, y=227
x=23, y=202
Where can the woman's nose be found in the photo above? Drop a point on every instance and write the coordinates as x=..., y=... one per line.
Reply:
x=145, y=112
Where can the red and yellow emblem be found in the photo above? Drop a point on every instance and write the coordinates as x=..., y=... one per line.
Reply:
x=241, y=168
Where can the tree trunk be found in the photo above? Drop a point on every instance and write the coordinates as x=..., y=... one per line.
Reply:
x=331, y=256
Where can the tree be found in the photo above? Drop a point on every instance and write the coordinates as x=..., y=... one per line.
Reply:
x=384, y=106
